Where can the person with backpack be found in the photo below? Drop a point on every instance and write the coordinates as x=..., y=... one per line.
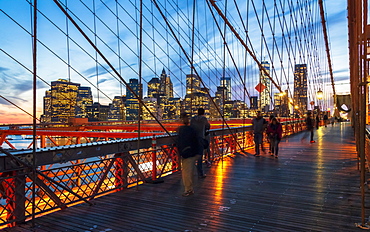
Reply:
x=309, y=128
x=201, y=125
x=188, y=148
x=275, y=133
x=259, y=125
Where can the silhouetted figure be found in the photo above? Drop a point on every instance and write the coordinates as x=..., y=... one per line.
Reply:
x=259, y=125
x=275, y=132
x=309, y=127
x=188, y=147
x=200, y=125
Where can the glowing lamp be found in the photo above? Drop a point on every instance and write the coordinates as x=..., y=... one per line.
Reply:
x=319, y=94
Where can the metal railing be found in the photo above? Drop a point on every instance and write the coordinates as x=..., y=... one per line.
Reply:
x=69, y=175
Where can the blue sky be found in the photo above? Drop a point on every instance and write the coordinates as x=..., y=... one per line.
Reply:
x=158, y=53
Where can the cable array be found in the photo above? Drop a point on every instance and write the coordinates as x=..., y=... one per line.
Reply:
x=213, y=39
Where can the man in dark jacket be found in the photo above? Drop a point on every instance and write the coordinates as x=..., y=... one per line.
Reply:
x=188, y=147
x=309, y=126
x=200, y=124
x=259, y=125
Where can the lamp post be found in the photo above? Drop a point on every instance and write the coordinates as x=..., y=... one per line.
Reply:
x=319, y=96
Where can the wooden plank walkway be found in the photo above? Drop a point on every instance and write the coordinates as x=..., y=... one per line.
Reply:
x=311, y=187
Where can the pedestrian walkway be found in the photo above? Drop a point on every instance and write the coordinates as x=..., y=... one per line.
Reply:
x=310, y=187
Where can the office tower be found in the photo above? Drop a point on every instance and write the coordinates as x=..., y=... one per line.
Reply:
x=60, y=102
x=65, y=100
x=132, y=103
x=166, y=87
x=117, y=109
x=97, y=112
x=84, y=99
x=194, y=101
x=226, y=82
x=300, y=87
x=153, y=87
x=152, y=105
x=46, y=116
x=265, y=80
x=277, y=102
x=174, y=108
x=254, y=103
x=192, y=84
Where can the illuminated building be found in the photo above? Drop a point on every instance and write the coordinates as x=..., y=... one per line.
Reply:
x=254, y=103
x=277, y=103
x=84, y=99
x=226, y=82
x=46, y=116
x=194, y=101
x=65, y=100
x=117, y=110
x=174, y=108
x=132, y=103
x=192, y=84
x=152, y=105
x=265, y=80
x=97, y=112
x=166, y=87
x=153, y=87
x=300, y=87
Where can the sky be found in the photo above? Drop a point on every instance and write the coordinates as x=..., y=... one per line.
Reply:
x=62, y=52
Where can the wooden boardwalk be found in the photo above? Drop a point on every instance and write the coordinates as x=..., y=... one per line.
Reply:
x=311, y=187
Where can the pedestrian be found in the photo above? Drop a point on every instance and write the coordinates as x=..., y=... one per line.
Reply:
x=208, y=149
x=258, y=125
x=188, y=148
x=275, y=132
x=268, y=138
x=317, y=121
x=309, y=128
x=200, y=124
x=326, y=119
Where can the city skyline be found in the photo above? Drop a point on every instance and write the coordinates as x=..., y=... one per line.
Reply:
x=18, y=88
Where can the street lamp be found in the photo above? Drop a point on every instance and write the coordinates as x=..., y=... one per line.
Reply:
x=319, y=94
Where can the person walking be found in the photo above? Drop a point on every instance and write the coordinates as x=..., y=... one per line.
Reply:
x=259, y=125
x=317, y=121
x=275, y=132
x=200, y=124
x=188, y=148
x=268, y=138
x=309, y=128
x=326, y=119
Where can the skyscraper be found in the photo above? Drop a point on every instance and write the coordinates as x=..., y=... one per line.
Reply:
x=265, y=80
x=226, y=82
x=84, y=99
x=166, y=87
x=117, y=110
x=254, y=103
x=132, y=103
x=165, y=94
x=192, y=84
x=153, y=87
x=65, y=100
x=300, y=87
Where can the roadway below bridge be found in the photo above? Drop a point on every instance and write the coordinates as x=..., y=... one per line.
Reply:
x=310, y=187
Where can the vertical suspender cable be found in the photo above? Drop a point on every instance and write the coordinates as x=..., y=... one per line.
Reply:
x=96, y=58
x=192, y=61
x=34, y=60
x=140, y=80
x=223, y=85
x=119, y=53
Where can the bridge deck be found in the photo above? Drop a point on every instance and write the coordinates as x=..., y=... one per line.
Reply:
x=311, y=187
